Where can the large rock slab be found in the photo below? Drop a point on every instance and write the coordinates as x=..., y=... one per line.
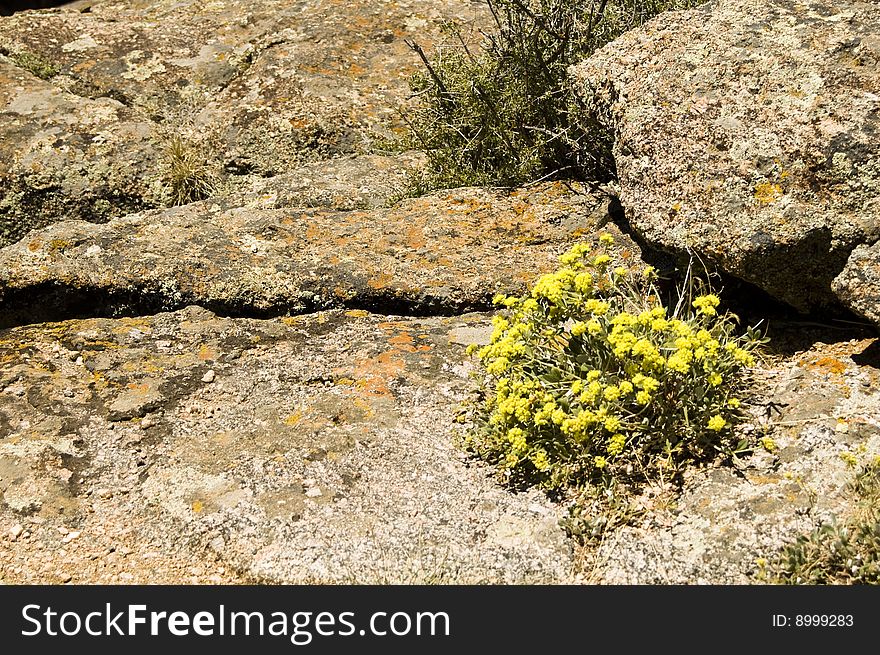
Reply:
x=443, y=253
x=858, y=285
x=746, y=132
x=245, y=90
x=188, y=447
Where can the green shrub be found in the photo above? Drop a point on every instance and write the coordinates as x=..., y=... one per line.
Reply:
x=844, y=553
x=501, y=113
x=590, y=377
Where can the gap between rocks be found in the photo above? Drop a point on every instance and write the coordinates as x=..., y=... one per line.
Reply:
x=748, y=301
x=54, y=302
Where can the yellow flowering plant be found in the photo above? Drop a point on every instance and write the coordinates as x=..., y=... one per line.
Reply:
x=590, y=376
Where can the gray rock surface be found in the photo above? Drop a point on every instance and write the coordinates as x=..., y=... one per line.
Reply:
x=295, y=427
x=92, y=102
x=443, y=253
x=320, y=452
x=858, y=285
x=746, y=132
x=64, y=156
x=826, y=417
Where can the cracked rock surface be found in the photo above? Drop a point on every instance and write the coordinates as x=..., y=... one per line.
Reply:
x=318, y=451
x=264, y=384
x=94, y=95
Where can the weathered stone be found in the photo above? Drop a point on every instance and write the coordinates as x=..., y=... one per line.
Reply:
x=318, y=447
x=63, y=156
x=443, y=253
x=344, y=183
x=746, y=132
x=247, y=90
x=322, y=453
x=858, y=284
x=136, y=401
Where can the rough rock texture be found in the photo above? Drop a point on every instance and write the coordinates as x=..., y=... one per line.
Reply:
x=185, y=447
x=62, y=156
x=858, y=285
x=825, y=410
x=251, y=89
x=298, y=437
x=747, y=132
x=317, y=450
x=442, y=253
x=346, y=182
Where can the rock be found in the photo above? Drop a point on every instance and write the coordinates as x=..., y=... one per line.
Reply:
x=208, y=377
x=136, y=400
x=745, y=132
x=64, y=156
x=103, y=110
x=236, y=483
x=344, y=183
x=362, y=408
x=858, y=285
x=443, y=253
x=15, y=531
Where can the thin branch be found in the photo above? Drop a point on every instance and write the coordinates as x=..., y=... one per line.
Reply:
x=421, y=53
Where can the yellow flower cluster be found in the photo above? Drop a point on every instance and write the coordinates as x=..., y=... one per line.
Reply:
x=706, y=304
x=591, y=372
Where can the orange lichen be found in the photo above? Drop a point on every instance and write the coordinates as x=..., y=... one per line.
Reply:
x=767, y=192
x=404, y=338
x=380, y=281
x=374, y=373
x=827, y=364
x=293, y=419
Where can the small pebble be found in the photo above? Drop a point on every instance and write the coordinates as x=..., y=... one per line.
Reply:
x=314, y=492
x=16, y=531
x=70, y=536
x=209, y=376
